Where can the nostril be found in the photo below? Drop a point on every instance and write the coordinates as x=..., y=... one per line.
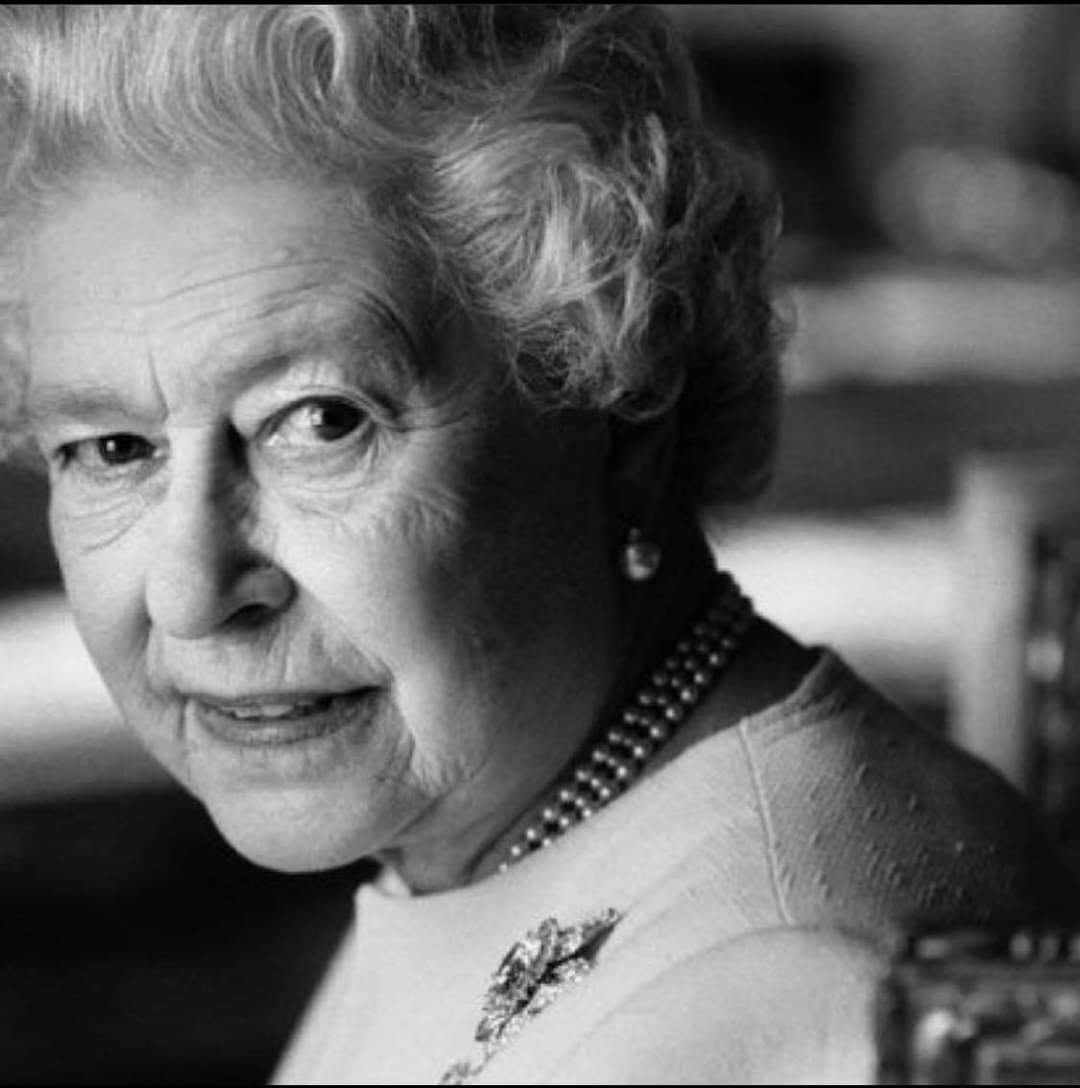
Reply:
x=265, y=588
x=252, y=615
x=256, y=595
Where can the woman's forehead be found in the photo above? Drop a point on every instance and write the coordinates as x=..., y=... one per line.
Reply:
x=227, y=272
x=139, y=245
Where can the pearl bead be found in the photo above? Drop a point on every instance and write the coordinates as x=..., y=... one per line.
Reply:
x=532, y=836
x=618, y=736
x=641, y=751
x=566, y=821
x=550, y=815
x=567, y=796
x=674, y=713
x=659, y=732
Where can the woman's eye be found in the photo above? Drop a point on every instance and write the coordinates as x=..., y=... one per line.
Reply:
x=316, y=422
x=107, y=454
x=122, y=449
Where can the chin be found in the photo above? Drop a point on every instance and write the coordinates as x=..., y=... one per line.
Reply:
x=290, y=838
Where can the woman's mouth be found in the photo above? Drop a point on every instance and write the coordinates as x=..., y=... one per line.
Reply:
x=250, y=712
x=276, y=720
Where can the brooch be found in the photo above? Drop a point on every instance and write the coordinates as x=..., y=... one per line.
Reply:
x=547, y=961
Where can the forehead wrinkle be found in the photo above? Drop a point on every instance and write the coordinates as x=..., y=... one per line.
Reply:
x=329, y=281
x=288, y=261
x=97, y=292
x=269, y=306
x=310, y=324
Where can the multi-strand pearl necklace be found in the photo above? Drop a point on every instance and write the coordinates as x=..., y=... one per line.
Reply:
x=640, y=730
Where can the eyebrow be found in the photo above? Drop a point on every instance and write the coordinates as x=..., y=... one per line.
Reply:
x=74, y=400
x=368, y=322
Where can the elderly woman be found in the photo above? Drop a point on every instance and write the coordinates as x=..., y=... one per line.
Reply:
x=384, y=360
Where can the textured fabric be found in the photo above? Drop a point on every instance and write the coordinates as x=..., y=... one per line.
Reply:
x=761, y=875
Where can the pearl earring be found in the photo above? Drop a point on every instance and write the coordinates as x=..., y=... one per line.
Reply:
x=640, y=557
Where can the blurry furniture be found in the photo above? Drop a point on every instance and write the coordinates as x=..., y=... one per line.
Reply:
x=1016, y=673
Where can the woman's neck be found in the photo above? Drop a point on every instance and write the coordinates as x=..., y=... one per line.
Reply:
x=654, y=615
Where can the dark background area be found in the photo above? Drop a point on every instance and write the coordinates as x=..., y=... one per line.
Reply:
x=138, y=949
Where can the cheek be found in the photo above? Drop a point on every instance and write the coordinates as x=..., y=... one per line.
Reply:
x=477, y=531
x=92, y=519
x=457, y=580
x=391, y=571
x=452, y=540
x=104, y=586
x=103, y=582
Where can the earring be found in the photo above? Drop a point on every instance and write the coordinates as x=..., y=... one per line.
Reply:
x=640, y=558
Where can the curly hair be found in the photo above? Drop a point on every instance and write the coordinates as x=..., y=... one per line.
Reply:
x=548, y=165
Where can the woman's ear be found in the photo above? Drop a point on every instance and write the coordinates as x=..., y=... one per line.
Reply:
x=640, y=462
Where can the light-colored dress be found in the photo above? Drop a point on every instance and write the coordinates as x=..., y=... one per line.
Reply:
x=759, y=878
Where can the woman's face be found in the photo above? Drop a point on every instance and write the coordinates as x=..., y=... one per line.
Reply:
x=345, y=584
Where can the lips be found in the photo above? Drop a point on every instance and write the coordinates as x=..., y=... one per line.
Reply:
x=278, y=719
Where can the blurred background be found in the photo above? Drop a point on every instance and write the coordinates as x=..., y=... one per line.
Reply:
x=921, y=522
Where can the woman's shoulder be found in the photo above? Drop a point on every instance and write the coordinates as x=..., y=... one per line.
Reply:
x=827, y=807
x=874, y=823
x=836, y=823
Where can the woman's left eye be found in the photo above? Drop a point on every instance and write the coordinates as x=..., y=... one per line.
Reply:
x=318, y=421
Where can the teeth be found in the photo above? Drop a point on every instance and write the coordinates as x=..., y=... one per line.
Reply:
x=275, y=710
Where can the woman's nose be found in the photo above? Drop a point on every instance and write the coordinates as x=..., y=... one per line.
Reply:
x=204, y=574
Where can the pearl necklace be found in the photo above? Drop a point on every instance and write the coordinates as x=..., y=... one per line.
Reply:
x=640, y=730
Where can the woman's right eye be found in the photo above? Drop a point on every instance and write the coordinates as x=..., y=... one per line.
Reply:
x=108, y=456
